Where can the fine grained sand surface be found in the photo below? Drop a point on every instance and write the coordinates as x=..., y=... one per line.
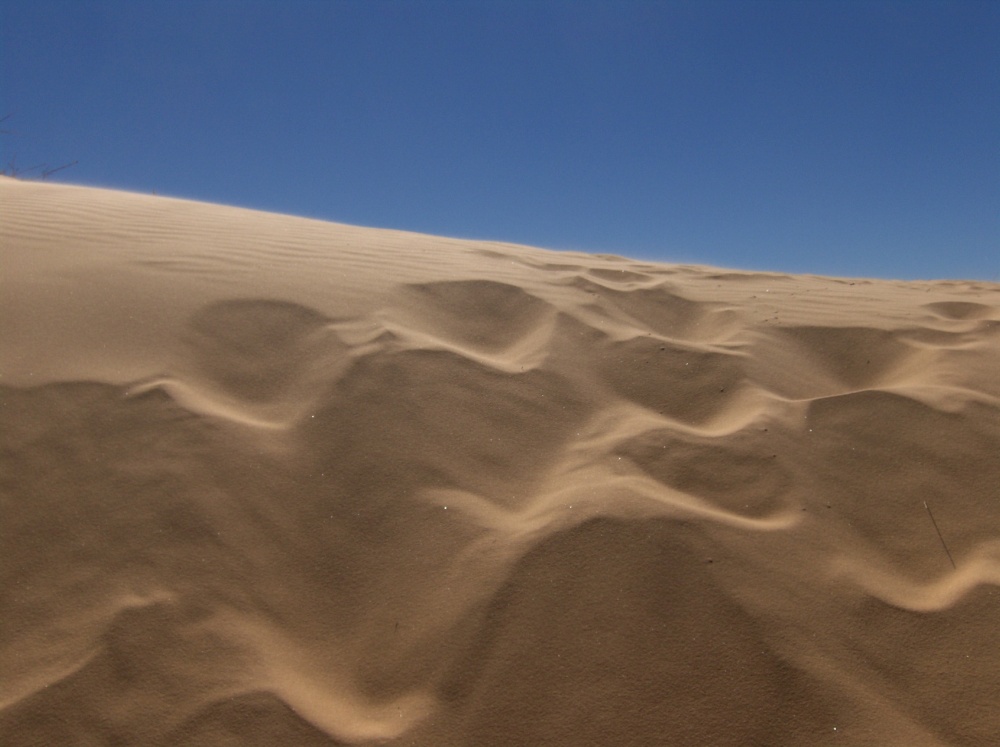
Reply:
x=273, y=481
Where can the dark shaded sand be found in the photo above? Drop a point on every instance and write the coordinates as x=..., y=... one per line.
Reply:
x=272, y=481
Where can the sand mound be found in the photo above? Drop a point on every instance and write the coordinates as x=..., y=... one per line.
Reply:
x=267, y=480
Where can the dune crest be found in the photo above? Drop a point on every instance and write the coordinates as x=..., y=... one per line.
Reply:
x=268, y=480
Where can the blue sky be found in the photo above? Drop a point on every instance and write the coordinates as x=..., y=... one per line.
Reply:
x=843, y=138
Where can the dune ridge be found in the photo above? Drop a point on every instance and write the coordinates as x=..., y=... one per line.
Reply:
x=272, y=480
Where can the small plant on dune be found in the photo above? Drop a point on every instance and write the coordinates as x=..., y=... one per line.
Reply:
x=39, y=171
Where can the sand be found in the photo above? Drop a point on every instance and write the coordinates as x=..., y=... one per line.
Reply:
x=275, y=481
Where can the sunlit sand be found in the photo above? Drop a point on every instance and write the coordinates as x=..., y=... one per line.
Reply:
x=275, y=481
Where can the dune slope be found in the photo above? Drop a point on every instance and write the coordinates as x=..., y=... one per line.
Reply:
x=267, y=480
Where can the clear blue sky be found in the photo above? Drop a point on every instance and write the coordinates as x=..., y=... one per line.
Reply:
x=848, y=138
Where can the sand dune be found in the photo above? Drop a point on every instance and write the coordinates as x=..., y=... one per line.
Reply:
x=267, y=480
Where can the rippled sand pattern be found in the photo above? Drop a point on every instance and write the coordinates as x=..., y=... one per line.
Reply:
x=272, y=481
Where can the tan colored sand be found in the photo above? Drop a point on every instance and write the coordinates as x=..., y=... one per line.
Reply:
x=272, y=481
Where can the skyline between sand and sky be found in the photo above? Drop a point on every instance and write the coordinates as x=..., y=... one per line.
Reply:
x=839, y=138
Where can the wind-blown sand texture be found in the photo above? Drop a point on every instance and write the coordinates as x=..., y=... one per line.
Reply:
x=274, y=481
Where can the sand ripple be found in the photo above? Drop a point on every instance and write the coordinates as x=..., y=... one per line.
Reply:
x=298, y=483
